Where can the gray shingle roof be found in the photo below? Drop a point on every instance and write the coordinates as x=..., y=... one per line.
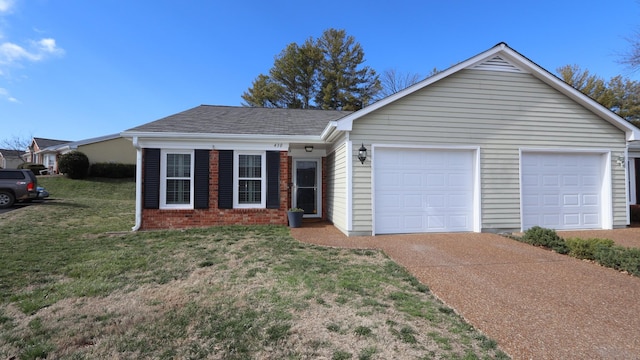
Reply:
x=244, y=120
x=45, y=143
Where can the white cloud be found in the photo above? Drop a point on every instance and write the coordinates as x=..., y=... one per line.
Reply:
x=4, y=94
x=11, y=53
x=14, y=55
x=49, y=46
x=6, y=5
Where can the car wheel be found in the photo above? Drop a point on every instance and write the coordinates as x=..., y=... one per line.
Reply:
x=6, y=199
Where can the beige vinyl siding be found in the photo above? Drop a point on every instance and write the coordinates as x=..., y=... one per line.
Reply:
x=337, y=186
x=118, y=150
x=501, y=112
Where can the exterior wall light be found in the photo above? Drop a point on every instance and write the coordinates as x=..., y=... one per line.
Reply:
x=308, y=148
x=362, y=154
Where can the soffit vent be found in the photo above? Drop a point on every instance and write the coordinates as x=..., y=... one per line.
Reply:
x=497, y=63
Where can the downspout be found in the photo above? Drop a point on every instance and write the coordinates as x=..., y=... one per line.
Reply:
x=136, y=227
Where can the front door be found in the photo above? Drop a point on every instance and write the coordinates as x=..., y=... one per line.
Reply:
x=307, y=186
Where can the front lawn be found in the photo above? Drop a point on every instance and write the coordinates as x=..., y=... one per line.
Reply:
x=75, y=283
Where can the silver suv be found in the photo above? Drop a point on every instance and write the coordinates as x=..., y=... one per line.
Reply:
x=17, y=185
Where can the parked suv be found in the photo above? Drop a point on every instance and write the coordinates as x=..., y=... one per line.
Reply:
x=17, y=185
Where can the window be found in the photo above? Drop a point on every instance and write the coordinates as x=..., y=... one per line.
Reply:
x=249, y=180
x=176, y=185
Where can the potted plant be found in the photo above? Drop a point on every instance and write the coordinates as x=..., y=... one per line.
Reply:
x=295, y=217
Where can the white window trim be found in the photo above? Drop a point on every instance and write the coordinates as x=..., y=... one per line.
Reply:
x=236, y=180
x=163, y=180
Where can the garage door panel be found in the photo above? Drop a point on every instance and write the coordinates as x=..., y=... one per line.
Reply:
x=592, y=219
x=435, y=223
x=435, y=202
x=436, y=188
x=572, y=219
x=571, y=200
x=590, y=181
x=570, y=180
x=562, y=190
x=412, y=179
x=413, y=222
x=591, y=199
x=458, y=201
x=550, y=200
x=435, y=180
x=412, y=201
x=550, y=181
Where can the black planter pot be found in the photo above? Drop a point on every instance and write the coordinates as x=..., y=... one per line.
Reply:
x=295, y=218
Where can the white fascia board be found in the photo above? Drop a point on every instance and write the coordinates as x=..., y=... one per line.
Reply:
x=218, y=141
x=329, y=130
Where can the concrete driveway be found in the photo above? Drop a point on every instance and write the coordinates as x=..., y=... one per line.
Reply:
x=537, y=304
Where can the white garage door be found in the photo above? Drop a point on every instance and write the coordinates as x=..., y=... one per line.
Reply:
x=418, y=190
x=562, y=191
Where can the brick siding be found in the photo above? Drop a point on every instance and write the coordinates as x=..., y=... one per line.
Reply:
x=176, y=219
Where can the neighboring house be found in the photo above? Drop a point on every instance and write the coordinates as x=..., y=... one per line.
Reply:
x=495, y=143
x=10, y=159
x=104, y=149
x=37, y=152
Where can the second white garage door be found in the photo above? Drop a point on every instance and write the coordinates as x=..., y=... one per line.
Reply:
x=420, y=190
x=562, y=190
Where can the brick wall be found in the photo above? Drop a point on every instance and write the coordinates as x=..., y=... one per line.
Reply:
x=175, y=219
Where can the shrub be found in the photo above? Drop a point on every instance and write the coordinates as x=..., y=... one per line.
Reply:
x=112, y=170
x=548, y=238
x=74, y=164
x=619, y=258
x=586, y=248
x=35, y=168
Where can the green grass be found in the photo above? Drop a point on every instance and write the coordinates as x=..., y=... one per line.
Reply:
x=76, y=284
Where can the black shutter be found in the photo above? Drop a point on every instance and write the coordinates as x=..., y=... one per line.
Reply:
x=225, y=179
x=273, y=179
x=201, y=180
x=151, y=178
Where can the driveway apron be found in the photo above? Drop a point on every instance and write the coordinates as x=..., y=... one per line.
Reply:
x=535, y=303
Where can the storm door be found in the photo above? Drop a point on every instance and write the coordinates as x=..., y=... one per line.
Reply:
x=307, y=186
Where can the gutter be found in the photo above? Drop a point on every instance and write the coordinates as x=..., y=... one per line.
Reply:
x=138, y=223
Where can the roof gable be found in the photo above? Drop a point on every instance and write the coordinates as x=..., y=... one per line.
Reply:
x=499, y=58
x=43, y=143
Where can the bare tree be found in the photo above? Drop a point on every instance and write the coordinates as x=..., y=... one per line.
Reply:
x=393, y=81
x=16, y=143
x=632, y=57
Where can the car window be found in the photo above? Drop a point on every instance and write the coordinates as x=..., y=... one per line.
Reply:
x=11, y=175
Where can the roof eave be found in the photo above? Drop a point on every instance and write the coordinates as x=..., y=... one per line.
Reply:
x=217, y=136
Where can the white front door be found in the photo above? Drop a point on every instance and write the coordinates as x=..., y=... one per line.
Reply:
x=562, y=190
x=423, y=190
x=307, y=186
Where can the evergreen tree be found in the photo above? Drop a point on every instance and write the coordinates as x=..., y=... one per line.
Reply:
x=344, y=83
x=620, y=95
x=326, y=73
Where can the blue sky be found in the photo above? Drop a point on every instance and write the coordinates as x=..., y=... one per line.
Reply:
x=77, y=69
